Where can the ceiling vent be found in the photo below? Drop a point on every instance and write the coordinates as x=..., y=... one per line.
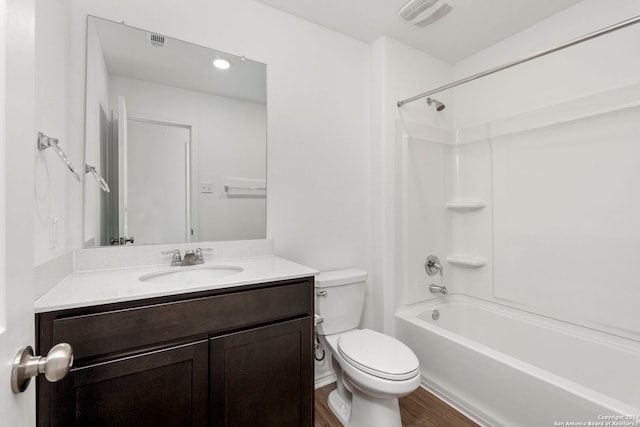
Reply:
x=156, y=40
x=424, y=12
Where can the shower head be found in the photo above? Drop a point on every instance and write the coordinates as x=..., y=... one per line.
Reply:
x=439, y=105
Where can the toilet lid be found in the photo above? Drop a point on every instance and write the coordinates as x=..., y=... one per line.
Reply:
x=378, y=354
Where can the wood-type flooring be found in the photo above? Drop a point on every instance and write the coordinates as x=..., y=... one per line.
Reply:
x=418, y=409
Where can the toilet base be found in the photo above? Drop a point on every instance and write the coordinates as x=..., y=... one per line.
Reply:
x=365, y=411
x=340, y=407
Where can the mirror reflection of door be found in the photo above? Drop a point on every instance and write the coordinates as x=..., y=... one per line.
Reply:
x=123, y=121
x=158, y=182
x=152, y=163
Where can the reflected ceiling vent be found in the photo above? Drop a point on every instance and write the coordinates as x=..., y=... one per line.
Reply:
x=424, y=12
x=156, y=40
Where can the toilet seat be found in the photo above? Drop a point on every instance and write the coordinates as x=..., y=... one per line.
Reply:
x=379, y=355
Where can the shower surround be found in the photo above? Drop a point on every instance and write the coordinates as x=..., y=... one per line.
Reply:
x=525, y=187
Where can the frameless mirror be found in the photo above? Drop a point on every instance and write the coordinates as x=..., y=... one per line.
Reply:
x=178, y=133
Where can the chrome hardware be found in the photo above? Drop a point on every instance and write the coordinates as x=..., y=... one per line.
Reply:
x=190, y=258
x=45, y=142
x=317, y=319
x=432, y=265
x=538, y=54
x=176, y=259
x=199, y=256
x=228, y=188
x=115, y=241
x=101, y=181
x=54, y=366
x=321, y=293
x=435, y=314
x=435, y=289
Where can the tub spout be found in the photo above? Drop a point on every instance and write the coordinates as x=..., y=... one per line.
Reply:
x=435, y=289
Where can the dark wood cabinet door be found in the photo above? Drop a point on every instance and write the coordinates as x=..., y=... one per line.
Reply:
x=167, y=387
x=263, y=377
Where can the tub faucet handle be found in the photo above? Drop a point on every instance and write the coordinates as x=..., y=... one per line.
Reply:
x=432, y=265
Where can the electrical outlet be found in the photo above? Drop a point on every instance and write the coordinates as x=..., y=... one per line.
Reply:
x=206, y=187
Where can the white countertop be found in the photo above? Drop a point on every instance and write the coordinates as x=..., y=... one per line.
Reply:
x=96, y=287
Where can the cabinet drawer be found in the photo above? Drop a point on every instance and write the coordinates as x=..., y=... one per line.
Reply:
x=118, y=330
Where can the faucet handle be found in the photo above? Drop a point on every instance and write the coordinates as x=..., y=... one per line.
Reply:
x=176, y=259
x=199, y=256
x=432, y=265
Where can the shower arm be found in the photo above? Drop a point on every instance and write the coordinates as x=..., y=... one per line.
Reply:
x=535, y=55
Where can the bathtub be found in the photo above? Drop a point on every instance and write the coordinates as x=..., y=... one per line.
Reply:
x=506, y=367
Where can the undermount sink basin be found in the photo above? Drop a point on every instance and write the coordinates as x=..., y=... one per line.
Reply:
x=187, y=275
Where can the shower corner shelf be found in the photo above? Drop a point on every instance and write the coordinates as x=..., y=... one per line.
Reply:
x=467, y=261
x=466, y=205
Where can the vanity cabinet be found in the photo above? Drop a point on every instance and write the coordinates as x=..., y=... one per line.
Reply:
x=229, y=357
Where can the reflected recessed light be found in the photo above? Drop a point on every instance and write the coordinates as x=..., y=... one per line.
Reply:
x=221, y=63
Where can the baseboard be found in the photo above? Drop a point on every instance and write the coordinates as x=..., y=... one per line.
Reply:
x=325, y=379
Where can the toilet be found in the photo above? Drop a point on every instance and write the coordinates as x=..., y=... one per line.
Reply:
x=372, y=369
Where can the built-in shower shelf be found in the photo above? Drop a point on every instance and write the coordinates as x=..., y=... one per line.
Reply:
x=466, y=205
x=467, y=261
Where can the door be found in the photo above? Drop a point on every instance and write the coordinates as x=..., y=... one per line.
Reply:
x=17, y=140
x=158, y=181
x=123, y=135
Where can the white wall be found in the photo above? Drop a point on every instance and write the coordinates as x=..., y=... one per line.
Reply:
x=219, y=123
x=597, y=65
x=408, y=188
x=318, y=206
x=53, y=182
x=560, y=226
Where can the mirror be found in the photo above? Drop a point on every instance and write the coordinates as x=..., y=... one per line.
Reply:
x=180, y=143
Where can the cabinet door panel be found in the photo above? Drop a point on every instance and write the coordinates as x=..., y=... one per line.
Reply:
x=162, y=388
x=263, y=377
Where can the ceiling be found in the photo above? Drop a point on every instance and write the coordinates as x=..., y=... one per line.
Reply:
x=470, y=27
x=128, y=52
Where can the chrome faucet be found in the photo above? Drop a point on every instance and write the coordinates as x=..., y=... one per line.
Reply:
x=176, y=259
x=191, y=257
x=432, y=265
x=200, y=256
x=435, y=289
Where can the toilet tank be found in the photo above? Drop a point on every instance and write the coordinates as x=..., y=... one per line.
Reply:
x=339, y=299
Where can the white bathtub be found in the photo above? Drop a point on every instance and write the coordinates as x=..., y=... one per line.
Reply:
x=507, y=367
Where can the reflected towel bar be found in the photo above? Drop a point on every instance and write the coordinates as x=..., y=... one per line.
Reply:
x=228, y=188
x=101, y=181
x=45, y=142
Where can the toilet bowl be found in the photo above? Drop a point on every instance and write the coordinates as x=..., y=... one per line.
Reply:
x=372, y=369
